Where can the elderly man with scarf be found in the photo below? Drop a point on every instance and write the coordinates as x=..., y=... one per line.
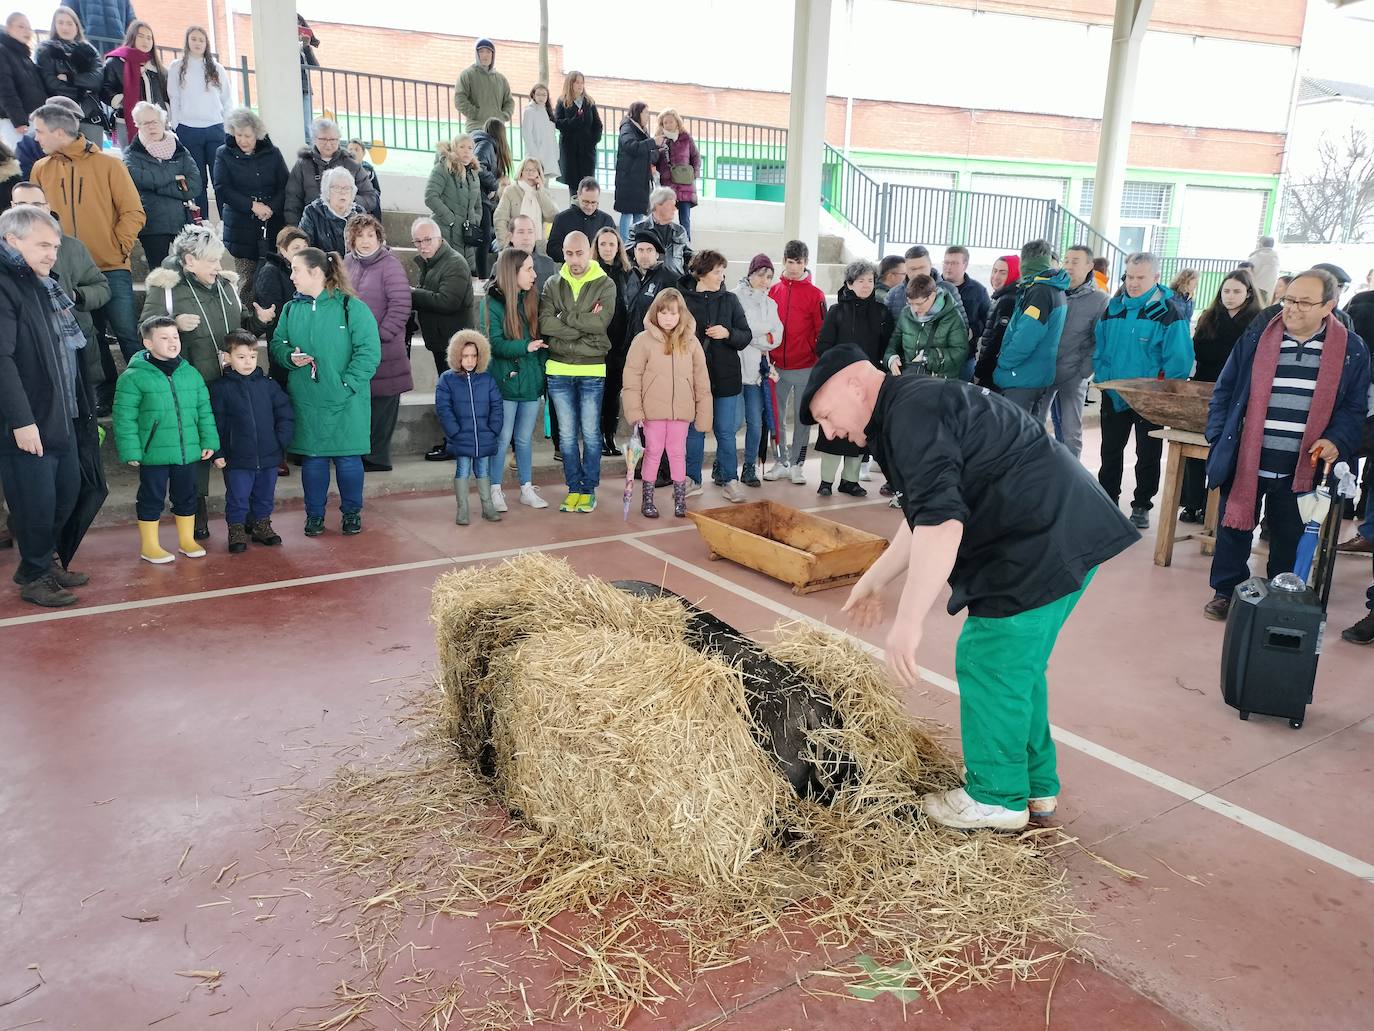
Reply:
x=41, y=402
x=1292, y=396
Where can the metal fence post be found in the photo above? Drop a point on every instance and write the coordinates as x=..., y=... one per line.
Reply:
x=884, y=206
x=243, y=74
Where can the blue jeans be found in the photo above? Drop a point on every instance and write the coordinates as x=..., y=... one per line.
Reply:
x=577, y=400
x=465, y=466
x=516, y=429
x=684, y=215
x=307, y=102
x=249, y=494
x=626, y=222
x=753, y=421
x=202, y=143
x=119, y=315
x=725, y=416
x=348, y=472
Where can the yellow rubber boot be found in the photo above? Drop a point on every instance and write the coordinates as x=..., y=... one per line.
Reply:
x=151, y=550
x=186, y=537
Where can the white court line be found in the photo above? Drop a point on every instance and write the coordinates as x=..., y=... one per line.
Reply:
x=1246, y=818
x=53, y=616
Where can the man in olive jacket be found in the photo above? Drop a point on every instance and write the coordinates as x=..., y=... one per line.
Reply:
x=575, y=312
x=482, y=92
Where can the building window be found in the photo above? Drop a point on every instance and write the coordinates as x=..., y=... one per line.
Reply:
x=1140, y=202
x=912, y=176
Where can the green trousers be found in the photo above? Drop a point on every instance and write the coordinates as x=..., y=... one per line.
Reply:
x=1004, y=704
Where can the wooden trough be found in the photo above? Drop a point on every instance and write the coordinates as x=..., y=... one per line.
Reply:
x=806, y=551
x=1180, y=403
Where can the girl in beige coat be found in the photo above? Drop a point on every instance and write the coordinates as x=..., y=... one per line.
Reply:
x=667, y=388
x=525, y=196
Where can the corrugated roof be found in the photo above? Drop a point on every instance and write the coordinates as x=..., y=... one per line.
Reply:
x=1322, y=89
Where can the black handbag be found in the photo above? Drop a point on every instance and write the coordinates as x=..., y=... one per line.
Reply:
x=472, y=233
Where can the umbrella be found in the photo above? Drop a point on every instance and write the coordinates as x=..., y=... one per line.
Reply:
x=772, y=417
x=90, y=496
x=634, y=451
x=1313, y=508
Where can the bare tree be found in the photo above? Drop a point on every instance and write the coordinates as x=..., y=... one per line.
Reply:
x=1335, y=204
x=544, y=42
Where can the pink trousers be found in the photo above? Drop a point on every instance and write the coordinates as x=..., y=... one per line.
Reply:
x=665, y=435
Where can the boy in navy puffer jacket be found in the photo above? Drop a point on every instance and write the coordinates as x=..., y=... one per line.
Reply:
x=255, y=422
x=471, y=410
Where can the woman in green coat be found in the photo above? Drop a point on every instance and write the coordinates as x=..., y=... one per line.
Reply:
x=193, y=289
x=454, y=195
x=930, y=338
x=517, y=363
x=328, y=339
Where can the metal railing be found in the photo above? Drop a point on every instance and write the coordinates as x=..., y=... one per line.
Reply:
x=1211, y=273
x=851, y=194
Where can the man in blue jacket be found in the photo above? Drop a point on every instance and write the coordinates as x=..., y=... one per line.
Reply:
x=1030, y=346
x=1293, y=394
x=1141, y=334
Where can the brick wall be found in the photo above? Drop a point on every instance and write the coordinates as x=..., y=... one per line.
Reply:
x=877, y=125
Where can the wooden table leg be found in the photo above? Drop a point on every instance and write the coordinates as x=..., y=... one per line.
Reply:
x=1169, y=500
x=1209, y=522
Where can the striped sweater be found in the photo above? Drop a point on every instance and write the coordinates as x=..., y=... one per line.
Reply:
x=1295, y=381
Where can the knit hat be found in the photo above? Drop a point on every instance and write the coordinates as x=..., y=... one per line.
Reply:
x=761, y=261
x=486, y=44
x=646, y=235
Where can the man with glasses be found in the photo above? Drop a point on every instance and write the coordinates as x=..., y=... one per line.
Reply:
x=1291, y=399
x=303, y=185
x=1142, y=334
x=442, y=300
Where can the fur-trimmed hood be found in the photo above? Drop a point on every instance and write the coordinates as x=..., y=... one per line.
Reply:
x=460, y=340
x=169, y=276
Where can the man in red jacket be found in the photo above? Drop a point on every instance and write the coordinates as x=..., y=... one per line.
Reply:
x=801, y=304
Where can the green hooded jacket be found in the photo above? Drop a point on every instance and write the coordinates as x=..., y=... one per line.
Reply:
x=575, y=333
x=332, y=399
x=944, y=339
x=483, y=93
x=161, y=419
x=454, y=196
x=518, y=371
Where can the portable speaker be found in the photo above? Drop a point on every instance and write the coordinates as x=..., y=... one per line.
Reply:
x=1273, y=641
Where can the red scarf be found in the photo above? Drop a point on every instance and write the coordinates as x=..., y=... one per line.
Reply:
x=1240, y=505
x=134, y=60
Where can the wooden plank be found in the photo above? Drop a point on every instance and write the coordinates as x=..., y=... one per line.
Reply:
x=1169, y=500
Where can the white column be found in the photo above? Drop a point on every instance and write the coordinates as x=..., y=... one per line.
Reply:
x=277, y=74
x=806, y=122
x=1113, y=145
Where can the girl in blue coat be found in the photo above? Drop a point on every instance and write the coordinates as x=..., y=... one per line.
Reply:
x=471, y=410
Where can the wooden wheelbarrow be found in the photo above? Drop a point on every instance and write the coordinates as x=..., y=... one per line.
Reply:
x=806, y=551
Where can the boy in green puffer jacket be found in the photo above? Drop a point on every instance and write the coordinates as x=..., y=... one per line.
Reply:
x=164, y=426
x=931, y=338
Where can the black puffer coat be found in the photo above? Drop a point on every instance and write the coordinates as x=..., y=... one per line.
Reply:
x=719, y=308
x=579, y=131
x=81, y=65
x=164, y=201
x=21, y=83
x=990, y=347
x=851, y=320
x=241, y=179
x=638, y=152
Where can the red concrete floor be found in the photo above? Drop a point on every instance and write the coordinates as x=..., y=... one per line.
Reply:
x=186, y=705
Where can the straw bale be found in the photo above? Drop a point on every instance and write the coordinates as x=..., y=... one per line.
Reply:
x=640, y=748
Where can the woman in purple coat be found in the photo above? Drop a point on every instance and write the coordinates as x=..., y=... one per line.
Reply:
x=679, y=164
x=380, y=282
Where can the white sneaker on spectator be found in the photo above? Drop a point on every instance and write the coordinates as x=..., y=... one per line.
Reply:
x=866, y=470
x=498, y=498
x=777, y=471
x=529, y=495
x=693, y=487
x=798, y=475
x=733, y=492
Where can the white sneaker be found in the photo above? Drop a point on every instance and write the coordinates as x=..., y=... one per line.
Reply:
x=777, y=471
x=733, y=492
x=529, y=495
x=956, y=809
x=693, y=487
x=498, y=498
x=895, y=503
x=799, y=475
x=866, y=470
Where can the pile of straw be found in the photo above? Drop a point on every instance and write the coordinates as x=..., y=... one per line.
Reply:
x=642, y=801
